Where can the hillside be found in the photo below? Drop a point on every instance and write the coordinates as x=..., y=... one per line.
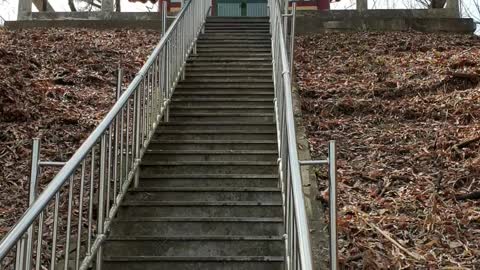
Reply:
x=404, y=109
x=57, y=85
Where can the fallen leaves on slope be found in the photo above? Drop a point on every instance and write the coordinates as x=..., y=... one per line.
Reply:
x=404, y=109
x=56, y=84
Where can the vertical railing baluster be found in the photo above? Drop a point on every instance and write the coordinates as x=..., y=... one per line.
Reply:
x=122, y=136
x=69, y=221
x=80, y=216
x=19, y=261
x=90, y=201
x=101, y=202
x=134, y=132
x=38, y=261
x=292, y=36
x=137, y=137
x=109, y=169
x=32, y=196
x=127, y=138
x=54, y=234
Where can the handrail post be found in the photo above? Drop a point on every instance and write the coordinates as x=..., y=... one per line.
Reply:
x=31, y=198
x=119, y=82
x=292, y=36
x=285, y=18
x=332, y=171
x=164, y=17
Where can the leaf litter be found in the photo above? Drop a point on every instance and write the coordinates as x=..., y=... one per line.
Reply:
x=57, y=85
x=404, y=108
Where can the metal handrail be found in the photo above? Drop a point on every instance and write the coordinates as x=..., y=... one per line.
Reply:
x=298, y=247
x=109, y=157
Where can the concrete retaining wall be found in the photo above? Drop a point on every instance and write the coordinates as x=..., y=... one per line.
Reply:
x=427, y=20
x=96, y=20
x=382, y=20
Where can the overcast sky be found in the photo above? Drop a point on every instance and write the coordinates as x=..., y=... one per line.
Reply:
x=8, y=8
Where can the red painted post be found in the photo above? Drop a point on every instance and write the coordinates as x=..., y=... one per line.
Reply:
x=213, y=8
x=323, y=4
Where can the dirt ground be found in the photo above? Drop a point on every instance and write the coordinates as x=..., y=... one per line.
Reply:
x=57, y=85
x=404, y=109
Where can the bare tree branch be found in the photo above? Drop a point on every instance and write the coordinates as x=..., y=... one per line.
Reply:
x=71, y=4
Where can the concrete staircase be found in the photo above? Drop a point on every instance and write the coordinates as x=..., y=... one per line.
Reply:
x=209, y=196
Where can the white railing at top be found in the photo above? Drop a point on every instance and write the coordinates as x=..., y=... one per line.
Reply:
x=298, y=248
x=67, y=223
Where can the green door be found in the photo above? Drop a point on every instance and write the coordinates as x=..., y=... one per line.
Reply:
x=236, y=8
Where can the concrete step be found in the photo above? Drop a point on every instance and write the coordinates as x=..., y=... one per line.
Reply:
x=194, y=246
x=237, y=30
x=247, y=28
x=216, y=135
x=208, y=167
x=208, y=155
x=213, y=145
x=253, y=59
x=209, y=180
x=217, y=125
x=237, y=25
x=220, y=79
x=228, y=69
x=233, y=63
x=197, y=226
x=208, y=101
x=230, y=31
x=233, y=26
x=265, y=74
x=238, y=84
x=194, y=263
x=229, y=65
x=224, y=94
x=133, y=209
x=238, y=51
x=235, y=34
x=235, y=39
x=215, y=116
x=221, y=109
x=242, y=54
x=203, y=194
x=233, y=46
x=215, y=88
x=234, y=43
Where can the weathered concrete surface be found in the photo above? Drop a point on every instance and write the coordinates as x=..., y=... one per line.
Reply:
x=316, y=218
x=153, y=23
x=99, y=15
x=96, y=20
x=378, y=13
x=94, y=24
x=382, y=20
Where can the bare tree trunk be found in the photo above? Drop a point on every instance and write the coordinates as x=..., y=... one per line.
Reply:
x=118, y=7
x=72, y=5
x=438, y=3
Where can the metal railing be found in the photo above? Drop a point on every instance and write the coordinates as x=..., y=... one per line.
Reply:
x=297, y=233
x=298, y=248
x=2, y=21
x=68, y=221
